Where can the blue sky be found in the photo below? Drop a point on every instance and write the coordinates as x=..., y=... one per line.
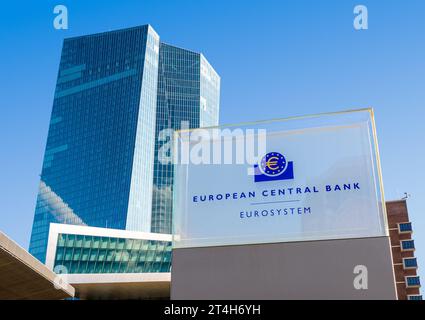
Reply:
x=275, y=58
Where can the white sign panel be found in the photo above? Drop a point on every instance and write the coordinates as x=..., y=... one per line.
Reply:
x=318, y=178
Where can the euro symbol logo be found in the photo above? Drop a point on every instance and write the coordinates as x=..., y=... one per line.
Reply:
x=273, y=166
x=272, y=163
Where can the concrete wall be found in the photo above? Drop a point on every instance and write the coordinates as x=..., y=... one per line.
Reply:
x=297, y=270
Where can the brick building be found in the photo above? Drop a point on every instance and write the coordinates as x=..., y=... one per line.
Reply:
x=403, y=250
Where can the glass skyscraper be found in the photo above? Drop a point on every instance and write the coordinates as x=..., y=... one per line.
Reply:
x=98, y=167
x=188, y=95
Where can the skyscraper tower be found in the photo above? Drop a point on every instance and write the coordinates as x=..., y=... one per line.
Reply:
x=98, y=167
x=188, y=94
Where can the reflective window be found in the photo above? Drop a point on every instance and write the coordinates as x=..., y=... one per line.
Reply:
x=112, y=255
x=410, y=263
x=413, y=281
x=407, y=245
x=405, y=227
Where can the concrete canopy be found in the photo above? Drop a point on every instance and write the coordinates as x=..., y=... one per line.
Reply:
x=24, y=277
x=118, y=286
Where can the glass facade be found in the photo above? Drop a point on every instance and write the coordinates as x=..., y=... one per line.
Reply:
x=115, y=92
x=140, y=198
x=188, y=95
x=94, y=254
x=102, y=122
x=209, y=95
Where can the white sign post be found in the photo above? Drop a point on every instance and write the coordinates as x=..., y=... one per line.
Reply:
x=281, y=209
